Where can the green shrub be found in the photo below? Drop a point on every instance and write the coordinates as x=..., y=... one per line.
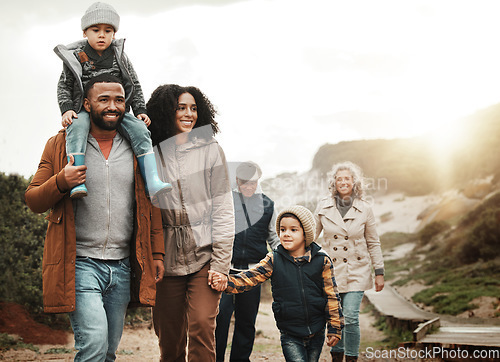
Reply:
x=22, y=234
x=431, y=230
x=58, y=350
x=476, y=214
x=483, y=240
x=450, y=290
x=7, y=342
x=392, y=239
x=138, y=316
x=394, y=336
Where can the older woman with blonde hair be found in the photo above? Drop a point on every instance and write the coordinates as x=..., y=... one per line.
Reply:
x=351, y=240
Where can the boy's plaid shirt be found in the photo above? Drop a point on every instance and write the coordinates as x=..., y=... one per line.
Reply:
x=246, y=280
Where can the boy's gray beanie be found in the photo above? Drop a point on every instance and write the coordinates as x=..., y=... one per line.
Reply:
x=100, y=13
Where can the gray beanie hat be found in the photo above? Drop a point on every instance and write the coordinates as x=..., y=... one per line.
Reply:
x=306, y=219
x=100, y=13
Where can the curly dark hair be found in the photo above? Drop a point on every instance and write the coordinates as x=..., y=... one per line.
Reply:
x=162, y=106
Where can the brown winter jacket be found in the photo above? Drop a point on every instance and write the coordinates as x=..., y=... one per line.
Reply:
x=60, y=242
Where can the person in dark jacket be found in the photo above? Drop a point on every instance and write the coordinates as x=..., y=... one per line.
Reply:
x=255, y=221
x=305, y=297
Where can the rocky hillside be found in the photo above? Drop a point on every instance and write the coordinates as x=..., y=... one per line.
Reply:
x=452, y=265
x=449, y=158
x=459, y=165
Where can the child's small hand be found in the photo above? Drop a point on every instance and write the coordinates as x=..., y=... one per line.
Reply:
x=217, y=281
x=221, y=284
x=67, y=118
x=332, y=341
x=144, y=117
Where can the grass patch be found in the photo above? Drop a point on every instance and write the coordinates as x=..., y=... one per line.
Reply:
x=392, y=239
x=367, y=308
x=260, y=347
x=394, y=268
x=8, y=342
x=373, y=344
x=395, y=336
x=257, y=347
x=138, y=316
x=59, y=350
x=452, y=290
x=432, y=230
x=453, y=284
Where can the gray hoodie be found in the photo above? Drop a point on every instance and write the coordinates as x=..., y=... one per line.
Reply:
x=104, y=220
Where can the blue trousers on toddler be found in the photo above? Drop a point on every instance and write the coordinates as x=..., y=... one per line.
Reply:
x=302, y=349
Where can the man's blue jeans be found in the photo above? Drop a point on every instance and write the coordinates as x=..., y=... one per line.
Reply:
x=102, y=297
x=351, y=335
x=299, y=349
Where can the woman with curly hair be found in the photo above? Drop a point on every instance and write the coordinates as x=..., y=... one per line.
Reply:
x=198, y=221
x=351, y=240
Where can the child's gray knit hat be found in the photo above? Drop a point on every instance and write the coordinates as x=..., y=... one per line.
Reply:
x=306, y=219
x=100, y=13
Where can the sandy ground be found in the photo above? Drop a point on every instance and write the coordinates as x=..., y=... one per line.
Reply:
x=140, y=344
x=396, y=212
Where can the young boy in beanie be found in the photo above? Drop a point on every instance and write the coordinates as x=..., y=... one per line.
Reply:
x=305, y=297
x=86, y=59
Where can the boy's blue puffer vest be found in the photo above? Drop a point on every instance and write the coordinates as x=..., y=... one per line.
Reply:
x=299, y=302
x=250, y=245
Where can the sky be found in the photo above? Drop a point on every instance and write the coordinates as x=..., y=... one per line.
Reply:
x=286, y=76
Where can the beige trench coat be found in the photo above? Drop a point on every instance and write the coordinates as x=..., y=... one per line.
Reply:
x=352, y=243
